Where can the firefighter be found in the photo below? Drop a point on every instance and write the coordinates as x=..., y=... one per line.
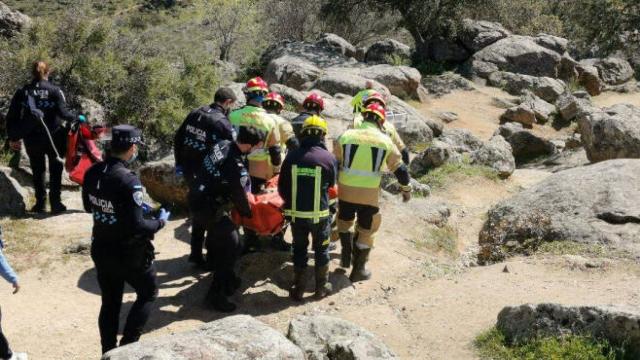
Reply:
x=312, y=105
x=202, y=128
x=274, y=104
x=362, y=154
x=219, y=186
x=307, y=174
x=372, y=97
x=262, y=160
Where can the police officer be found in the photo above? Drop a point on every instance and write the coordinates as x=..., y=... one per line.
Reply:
x=307, y=174
x=47, y=101
x=219, y=186
x=121, y=246
x=362, y=154
x=313, y=104
x=194, y=139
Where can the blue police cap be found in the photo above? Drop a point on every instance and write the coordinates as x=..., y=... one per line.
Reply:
x=123, y=136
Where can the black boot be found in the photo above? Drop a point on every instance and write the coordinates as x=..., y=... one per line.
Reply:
x=217, y=298
x=346, y=241
x=233, y=284
x=359, y=271
x=58, y=208
x=278, y=243
x=38, y=208
x=251, y=242
x=323, y=286
x=296, y=292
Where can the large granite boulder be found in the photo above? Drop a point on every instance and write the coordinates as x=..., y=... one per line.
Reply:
x=402, y=81
x=542, y=110
x=596, y=204
x=618, y=325
x=291, y=71
x=516, y=54
x=476, y=35
x=611, y=133
x=345, y=81
x=414, y=129
x=381, y=51
x=521, y=114
x=338, y=44
x=323, y=337
x=440, y=85
x=548, y=89
x=612, y=70
x=12, y=22
x=551, y=42
x=496, y=154
x=162, y=184
x=445, y=50
x=570, y=106
x=238, y=337
x=525, y=145
x=589, y=78
x=13, y=197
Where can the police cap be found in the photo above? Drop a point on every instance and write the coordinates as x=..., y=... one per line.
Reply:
x=123, y=136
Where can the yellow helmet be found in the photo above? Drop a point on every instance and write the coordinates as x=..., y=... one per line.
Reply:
x=315, y=124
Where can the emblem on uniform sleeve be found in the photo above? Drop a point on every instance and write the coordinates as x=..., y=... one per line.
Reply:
x=138, y=197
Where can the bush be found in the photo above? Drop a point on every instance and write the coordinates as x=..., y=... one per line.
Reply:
x=453, y=172
x=493, y=345
x=440, y=239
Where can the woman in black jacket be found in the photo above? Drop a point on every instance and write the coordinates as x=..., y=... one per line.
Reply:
x=47, y=101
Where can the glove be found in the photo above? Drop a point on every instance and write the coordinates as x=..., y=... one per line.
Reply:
x=146, y=208
x=15, y=145
x=82, y=118
x=179, y=171
x=163, y=215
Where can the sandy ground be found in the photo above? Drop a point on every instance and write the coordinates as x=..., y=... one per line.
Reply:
x=423, y=305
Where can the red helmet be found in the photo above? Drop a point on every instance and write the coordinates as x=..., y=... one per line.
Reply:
x=375, y=96
x=377, y=110
x=274, y=98
x=256, y=85
x=314, y=98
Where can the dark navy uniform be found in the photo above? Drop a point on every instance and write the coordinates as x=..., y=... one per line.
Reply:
x=121, y=242
x=297, y=122
x=219, y=186
x=201, y=129
x=49, y=99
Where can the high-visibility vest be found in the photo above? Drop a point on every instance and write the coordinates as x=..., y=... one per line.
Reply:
x=388, y=129
x=253, y=116
x=364, y=155
x=316, y=213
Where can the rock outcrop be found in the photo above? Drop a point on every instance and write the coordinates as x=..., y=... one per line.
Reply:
x=476, y=35
x=239, y=337
x=381, y=51
x=618, y=325
x=162, y=184
x=611, y=133
x=338, y=44
x=12, y=22
x=612, y=70
x=596, y=204
x=525, y=145
x=13, y=197
x=324, y=337
x=546, y=88
x=439, y=85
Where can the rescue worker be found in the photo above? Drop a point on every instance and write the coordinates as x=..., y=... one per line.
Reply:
x=7, y=272
x=219, y=186
x=375, y=97
x=121, y=246
x=194, y=139
x=362, y=154
x=312, y=105
x=274, y=104
x=41, y=99
x=262, y=160
x=307, y=174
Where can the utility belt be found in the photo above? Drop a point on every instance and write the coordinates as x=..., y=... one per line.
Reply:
x=138, y=253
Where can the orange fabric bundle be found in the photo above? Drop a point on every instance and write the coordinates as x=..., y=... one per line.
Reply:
x=267, y=216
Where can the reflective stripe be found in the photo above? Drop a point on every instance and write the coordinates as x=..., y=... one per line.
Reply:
x=361, y=172
x=316, y=197
x=307, y=214
x=379, y=158
x=347, y=155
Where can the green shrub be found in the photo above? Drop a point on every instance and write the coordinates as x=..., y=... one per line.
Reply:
x=493, y=345
x=397, y=60
x=440, y=240
x=452, y=172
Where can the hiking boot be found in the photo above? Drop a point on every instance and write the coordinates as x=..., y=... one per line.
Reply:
x=346, y=241
x=220, y=303
x=58, y=208
x=233, y=284
x=359, y=271
x=198, y=261
x=296, y=292
x=323, y=286
x=278, y=243
x=38, y=208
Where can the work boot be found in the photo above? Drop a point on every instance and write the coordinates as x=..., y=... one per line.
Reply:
x=360, y=258
x=296, y=292
x=38, y=208
x=57, y=208
x=323, y=286
x=251, y=242
x=278, y=243
x=233, y=284
x=198, y=261
x=346, y=241
x=220, y=303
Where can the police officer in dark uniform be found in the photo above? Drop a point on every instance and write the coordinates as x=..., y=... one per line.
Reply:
x=201, y=129
x=121, y=246
x=221, y=185
x=49, y=102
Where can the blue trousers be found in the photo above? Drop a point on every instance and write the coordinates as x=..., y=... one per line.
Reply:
x=320, y=234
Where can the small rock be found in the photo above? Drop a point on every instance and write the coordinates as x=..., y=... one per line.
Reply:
x=506, y=269
x=82, y=247
x=448, y=116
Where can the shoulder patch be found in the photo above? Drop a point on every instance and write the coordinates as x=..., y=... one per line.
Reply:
x=138, y=198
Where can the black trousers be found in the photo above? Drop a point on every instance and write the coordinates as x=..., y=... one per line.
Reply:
x=320, y=235
x=199, y=218
x=40, y=150
x=348, y=212
x=5, y=351
x=224, y=243
x=112, y=275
